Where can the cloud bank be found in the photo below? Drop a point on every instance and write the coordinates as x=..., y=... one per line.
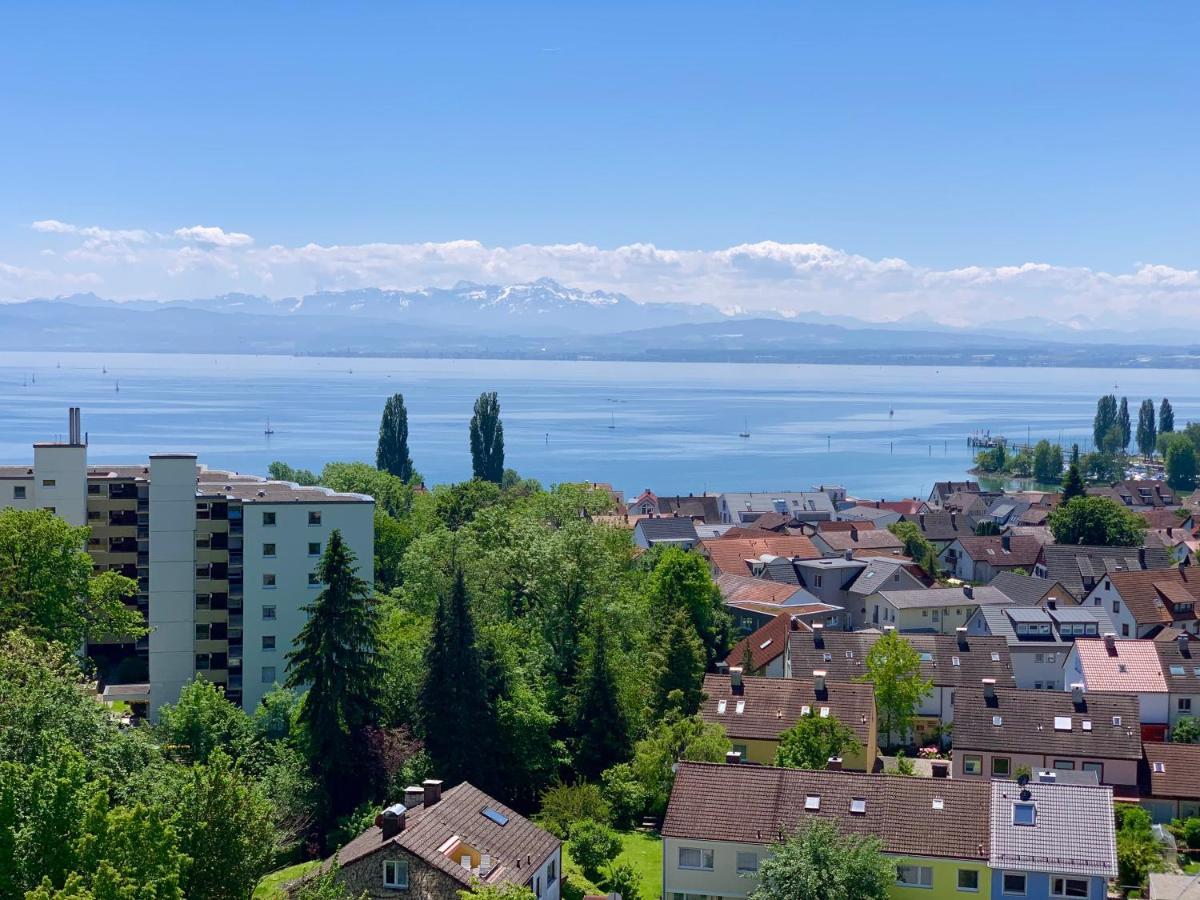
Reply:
x=202, y=260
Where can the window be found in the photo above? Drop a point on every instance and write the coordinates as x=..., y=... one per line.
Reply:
x=19, y=492
x=1061, y=886
x=268, y=519
x=968, y=879
x=858, y=806
x=1096, y=767
x=395, y=873
x=747, y=863
x=1001, y=766
x=268, y=549
x=812, y=802
x=552, y=872
x=537, y=888
x=203, y=661
x=1014, y=883
x=268, y=674
x=1185, y=704
x=314, y=548
x=972, y=765
x=268, y=642
x=50, y=509
x=695, y=858
x=314, y=518
x=269, y=612
x=914, y=876
x=1125, y=629
x=1116, y=606
x=313, y=579
x=1065, y=765
x=1024, y=814
x=202, y=632
x=268, y=580
x=48, y=482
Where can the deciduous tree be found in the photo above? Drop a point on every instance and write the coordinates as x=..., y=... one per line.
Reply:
x=1096, y=520
x=817, y=863
x=813, y=741
x=1166, y=417
x=681, y=580
x=391, y=453
x=1147, y=431
x=893, y=666
x=487, y=439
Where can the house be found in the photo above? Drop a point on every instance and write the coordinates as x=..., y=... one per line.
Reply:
x=1080, y=567
x=1180, y=662
x=749, y=556
x=672, y=531
x=941, y=528
x=1129, y=667
x=744, y=507
x=1006, y=510
x=722, y=820
x=702, y=508
x=1159, y=517
x=1168, y=781
x=1179, y=544
x=969, y=504
x=1042, y=534
x=943, y=489
x=435, y=844
x=1029, y=590
x=880, y=573
x=878, y=516
x=1145, y=494
x=644, y=504
x=767, y=645
x=755, y=711
x=1142, y=601
x=753, y=602
x=997, y=730
x=1039, y=638
x=949, y=661
x=900, y=507
x=878, y=541
x=929, y=610
x=980, y=559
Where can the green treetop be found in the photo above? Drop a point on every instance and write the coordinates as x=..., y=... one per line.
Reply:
x=818, y=863
x=1147, y=431
x=391, y=453
x=487, y=439
x=893, y=666
x=1096, y=520
x=1166, y=417
x=813, y=741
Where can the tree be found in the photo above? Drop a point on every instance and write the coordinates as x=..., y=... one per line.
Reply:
x=281, y=471
x=1098, y=521
x=1104, y=420
x=987, y=528
x=681, y=580
x=1072, y=484
x=1137, y=849
x=813, y=741
x=1075, y=454
x=642, y=786
x=593, y=845
x=1179, y=459
x=391, y=453
x=326, y=886
x=600, y=721
x=678, y=667
x=1047, y=462
x=562, y=805
x=623, y=879
x=1102, y=467
x=459, y=728
x=506, y=891
x=336, y=658
x=47, y=586
x=487, y=439
x=1186, y=731
x=201, y=721
x=1147, y=432
x=893, y=666
x=130, y=852
x=1124, y=424
x=916, y=545
x=817, y=863
x=1166, y=417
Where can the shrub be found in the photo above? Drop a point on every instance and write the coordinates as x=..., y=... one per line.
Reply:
x=593, y=846
x=623, y=879
x=565, y=804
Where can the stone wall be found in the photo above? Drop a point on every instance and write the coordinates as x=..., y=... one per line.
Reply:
x=424, y=881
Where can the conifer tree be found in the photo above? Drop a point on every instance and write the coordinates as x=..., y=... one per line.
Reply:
x=1166, y=417
x=1072, y=484
x=391, y=453
x=601, y=723
x=678, y=667
x=487, y=439
x=1105, y=419
x=1124, y=423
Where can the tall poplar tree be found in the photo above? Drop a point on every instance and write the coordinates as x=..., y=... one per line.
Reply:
x=336, y=659
x=1147, y=432
x=1105, y=419
x=1166, y=417
x=600, y=719
x=391, y=453
x=1124, y=424
x=487, y=439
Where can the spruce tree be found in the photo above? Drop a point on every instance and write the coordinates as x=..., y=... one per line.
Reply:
x=391, y=453
x=1166, y=417
x=1072, y=484
x=1124, y=423
x=678, y=665
x=600, y=720
x=487, y=439
x=1147, y=433
x=1075, y=454
x=459, y=726
x=336, y=659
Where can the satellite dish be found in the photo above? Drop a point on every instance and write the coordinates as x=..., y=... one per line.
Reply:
x=1025, y=795
x=1022, y=779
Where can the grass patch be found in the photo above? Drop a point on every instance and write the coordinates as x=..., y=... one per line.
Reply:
x=640, y=849
x=271, y=887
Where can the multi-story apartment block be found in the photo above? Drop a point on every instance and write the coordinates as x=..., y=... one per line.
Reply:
x=224, y=562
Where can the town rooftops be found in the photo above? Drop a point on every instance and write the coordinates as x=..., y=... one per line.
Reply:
x=877, y=539
x=1111, y=664
x=942, y=526
x=943, y=489
x=1007, y=550
x=467, y=816
x=1159, y=596
x=766, y=707
x=1042, y=628
x=1024, y=589
x=1170, y=770
x=765, y=644
x=1180, y=663
x=1078, y=567
x=735, y=555
x=762, y=805
x=882, y=571
x=940, y=598
x=744, y=505
x=1069, y=830
x=742, y=589
x=667, y=530
x=1144, y=493
x=702, y=507
x=1102, y=726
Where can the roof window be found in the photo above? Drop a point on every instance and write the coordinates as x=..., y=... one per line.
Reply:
x=1024, y=814
x=1062, y=723
x=741, y=707
x=938, y=803
x=812, y=802
x=721, y=707
x=495, y=815
x=858, y=806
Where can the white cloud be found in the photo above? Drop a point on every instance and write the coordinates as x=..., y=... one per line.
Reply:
x=201, y=260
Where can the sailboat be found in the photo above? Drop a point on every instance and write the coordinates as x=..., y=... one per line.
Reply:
x=613, y=424
x=268, y=430
x=104, y=370
x=745, y=432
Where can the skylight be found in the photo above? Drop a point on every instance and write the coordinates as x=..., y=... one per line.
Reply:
x=1024, y=814
x=995, y=656
x=1177, y=670
x=926, y=656
x=1160, y=767
x=997, y=721
x=1117, y=721
x=955, y=661
x=812, y=802
x=938, y=803
x=741, y=707
x=1087, y=724
x=1062, y=723
x=721, y=707
x=858, y=806
x=495, y=815
x=824, y=712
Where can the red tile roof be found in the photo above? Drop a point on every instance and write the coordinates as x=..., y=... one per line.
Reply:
x=765, y=644
x=730, y=554
x=1022, y=551
x=1152, y=594
x=1131, y=667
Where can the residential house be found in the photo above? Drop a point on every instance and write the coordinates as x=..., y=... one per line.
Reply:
x=1080, y=567
x=702, y=507
x=753, y=602
x=744, y=507
x=943, y=489
x=1145, y=494
x=1179, y=543
x=1180, y=662
x=929, y=610
x=1168, y=781
x=435, y=844
x=1130, y=667
x=980, y=559
x=672, y=531
x=1039, y=638
x=749, y=556
x=767, y=645
x=1042, y=534
x=1159, y=517
x=997, y=730
x=969, y=504
x=708, y=531
x=1140, y=602
x=755, y=711
x=644, y=504
x=872, y=541
x=1029, y=590
x=879, y=573
x=941, y=528
x=1006, y=510
x=878, y=516
x=901, y=507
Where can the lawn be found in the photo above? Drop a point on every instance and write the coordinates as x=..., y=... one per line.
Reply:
x=271, y=887
x=641, y=850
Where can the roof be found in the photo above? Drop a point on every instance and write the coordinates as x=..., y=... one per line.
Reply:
x=766, y=643
x=730, y=554
x=762, y=804
x=743, y=588
x=1166, y=886
x=944, y=661
x=1159, y=596
x=1159, y=517
x=1070, y=564
x=1023, y=589
x=796, y=503
x=667, y=529
x=1131, y=666
x=928, y=598
x=942, y=489
x=767, y=707
x=867, y=538
x=1002, y=620
x=1027, y=723
x=942, y=526
x=1180, y=662
x=459, y=814
x=704, y=507
x=1170, y=770
x=1144, y=493
x=1021, y=550
x=879, y=571
x=870, y=514
x=1072, y=833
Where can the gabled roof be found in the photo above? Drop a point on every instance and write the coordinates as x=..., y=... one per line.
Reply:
x=943, y=489
x=731, y=554
x=767, y=707
x=1160, y=517
x=766, y=643
x=743, y=588
x=866, y=539
x=1072, y=832
x=940, y=598
x=1104, y=726
x=762, y=805
x=1131, y=666
x=942, y=526
x=1024, y=589
x=667, y=529
x=1170, y=770
x=1070, y=564
x=1144, y=493
x=881, y=572
x=1021, y=550
x=703, y=507
x=1180, y=662
x=1159, y=596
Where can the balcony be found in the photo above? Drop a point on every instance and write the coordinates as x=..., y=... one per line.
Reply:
x=123, y=490
x=123, y=517
x=123, y=545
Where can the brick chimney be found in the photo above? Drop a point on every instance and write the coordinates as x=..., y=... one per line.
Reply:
x=818, y=631
x=433, y=791
x=1077, y=693
x=940, y=768
x=1006, y=541
x=1110, y=642
x=414, y=796
x=989, y=688
x=1184, y=649
x=391, y=821
x=834, y=764
x=961, y=633
x=735, y=680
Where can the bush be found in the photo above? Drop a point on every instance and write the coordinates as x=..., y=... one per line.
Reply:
x=565, y=804
x=593, y=846
x=1189, y=832
x=1186, y=731
x=625, y=795
x=623, y=879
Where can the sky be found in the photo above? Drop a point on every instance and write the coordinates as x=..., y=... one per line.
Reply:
x=942, y=160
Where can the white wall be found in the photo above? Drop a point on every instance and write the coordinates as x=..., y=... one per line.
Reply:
x=172, y=576
x=66, y=466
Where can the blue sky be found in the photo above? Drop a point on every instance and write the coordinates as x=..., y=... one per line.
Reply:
x=947, y=135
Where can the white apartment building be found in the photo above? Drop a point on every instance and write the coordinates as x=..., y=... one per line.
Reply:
x=224, y=562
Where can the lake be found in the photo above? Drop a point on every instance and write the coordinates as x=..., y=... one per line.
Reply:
x=671, y=427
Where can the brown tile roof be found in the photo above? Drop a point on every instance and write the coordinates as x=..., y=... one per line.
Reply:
x=825, y=527
x=1131, y=666
x=1027, y=723
x=761, y=804
x=765, y=644
x=1170, y=770
x=859, y=539
x=1180, y=663
x=943, y=526
x=517, y=848
x=770, y=706
x=1023, y=550
x=739, y=588
x=1159, y=517
x=702, y=507
x=730, y=554
x=1152, y=595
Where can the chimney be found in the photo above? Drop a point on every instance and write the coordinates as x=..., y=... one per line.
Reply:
x=940, y=768
x=854, y=533
x=1141, y=557
x=961, y=633
x=722, y=668
x=1077, y=693
x=1170, y=531
x=834, y=764
x=1110, y=642
x=391, y=821
x=735, y=679
x=989, y=688
x=1046, y=777
x=819, y=680
x=1051, y=603
x=1006, y=541
x=414, y=796
x=818, y=631
x=968, y=592
x=921, y=520
x=848, y=554
x=433, y=791
x=794, y=623
x=733, y=757
x=1183, y=644
x=953, y=522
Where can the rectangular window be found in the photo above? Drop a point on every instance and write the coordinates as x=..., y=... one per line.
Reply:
x=268, y=674
x=1061, y=886
x=314, y=548
x=19, y=492
x=395, y=873
x=313, y=579
x=552, y=872
x=268, y=549
x=268, y=642
x=202, y=632
x=48, y=482
x=1124, y=629
x=268, y=580
x=1013, y=884
x=1001, y=766
x=1065, y=765
x=695, y=858
x=968, y=879
x=268, y=519
x=268, y=612
x=1116, y=606
x=1096, y=767
x=914, y=876
x=314, y=518
x=747, y=863
x=972, y=765
x=203, y=662
x=537, y=888
x=1185, y=704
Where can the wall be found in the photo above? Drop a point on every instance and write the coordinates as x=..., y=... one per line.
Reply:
x=1037, y=886
x=1119, y=772
x=1028, y=672
x=424, y=881
x=66, y=466
x=8, y=493
x=1105, y=594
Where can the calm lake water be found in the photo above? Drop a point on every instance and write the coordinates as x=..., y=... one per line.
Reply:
x=675, y=425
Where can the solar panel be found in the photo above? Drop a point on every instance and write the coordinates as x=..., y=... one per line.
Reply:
x=495, y=815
